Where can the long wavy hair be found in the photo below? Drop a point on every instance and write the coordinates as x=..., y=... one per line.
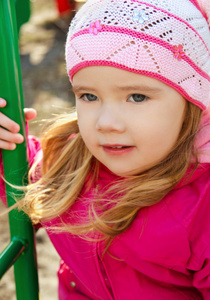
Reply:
x=67, y=162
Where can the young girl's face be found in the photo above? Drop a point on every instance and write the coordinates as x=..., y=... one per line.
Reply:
x=129, y=122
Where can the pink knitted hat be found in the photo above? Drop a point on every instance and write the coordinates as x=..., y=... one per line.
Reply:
x=165, y=39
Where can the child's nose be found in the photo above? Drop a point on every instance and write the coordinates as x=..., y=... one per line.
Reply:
x=110, y=119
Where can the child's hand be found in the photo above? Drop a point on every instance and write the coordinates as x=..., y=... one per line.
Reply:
x=9, y=135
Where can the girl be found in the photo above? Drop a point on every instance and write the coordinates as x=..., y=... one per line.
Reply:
x=124, y=189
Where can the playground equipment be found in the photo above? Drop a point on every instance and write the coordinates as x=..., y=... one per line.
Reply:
x=21, y=250
x=23, y=11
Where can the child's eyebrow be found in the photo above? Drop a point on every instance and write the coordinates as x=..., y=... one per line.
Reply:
x=142, y=88
x=78, y=88
x=132, y=88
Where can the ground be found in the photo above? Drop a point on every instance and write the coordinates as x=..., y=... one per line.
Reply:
x=46, y=87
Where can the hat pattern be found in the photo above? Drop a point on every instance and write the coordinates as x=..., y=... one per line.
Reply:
x=165, y=39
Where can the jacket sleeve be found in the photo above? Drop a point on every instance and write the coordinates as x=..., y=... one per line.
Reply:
x=34, y=150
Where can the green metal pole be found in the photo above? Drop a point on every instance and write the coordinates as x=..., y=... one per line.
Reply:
x=10, y=254
x=23, y=11
x=15, y=162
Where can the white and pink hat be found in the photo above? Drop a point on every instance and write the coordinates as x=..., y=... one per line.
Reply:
x=165, y=39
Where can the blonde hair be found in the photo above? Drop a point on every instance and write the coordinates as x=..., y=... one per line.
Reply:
x=67, y=163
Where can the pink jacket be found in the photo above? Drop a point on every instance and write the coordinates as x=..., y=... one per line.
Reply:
x=164, y=254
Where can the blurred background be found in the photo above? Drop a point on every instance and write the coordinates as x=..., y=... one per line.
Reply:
x=46, y=87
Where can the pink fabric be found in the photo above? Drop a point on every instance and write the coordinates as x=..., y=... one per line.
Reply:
x=2, y=184
x=144, y=37
x=156, y=66
x=185, y=24
x=202, y=6
x=165, y=253
x=174, y=16
x=122, y=32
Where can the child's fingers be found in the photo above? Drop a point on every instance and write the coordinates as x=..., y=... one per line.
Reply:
x=30, y=113
x=8, y=123
x=7, y=145
x=7, y=136
x=3, y=102
x=9, y=129
x=5, y=121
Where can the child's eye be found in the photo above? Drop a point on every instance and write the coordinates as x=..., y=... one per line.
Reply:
x=89, y=97
x=137, y=98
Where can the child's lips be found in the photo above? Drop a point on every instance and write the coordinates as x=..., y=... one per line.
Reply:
x=117, y=149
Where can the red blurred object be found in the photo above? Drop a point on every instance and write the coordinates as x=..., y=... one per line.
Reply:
x=65, y=6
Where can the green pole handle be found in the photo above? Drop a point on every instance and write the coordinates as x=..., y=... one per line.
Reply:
x=10, y=254
x=23, y=11
x=15, y=162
